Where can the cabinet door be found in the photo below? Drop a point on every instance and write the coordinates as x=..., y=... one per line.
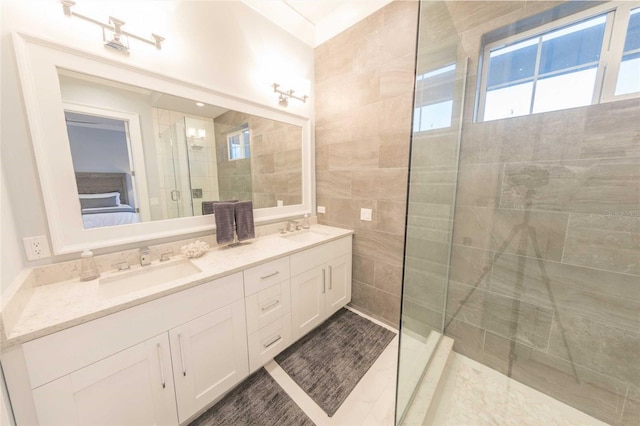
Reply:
x=131, y=387
x=307, y=301
x=209, y=356
x=338, y=284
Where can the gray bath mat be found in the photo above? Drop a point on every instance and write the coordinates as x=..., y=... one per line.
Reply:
x=259, y=400
x=329, y=362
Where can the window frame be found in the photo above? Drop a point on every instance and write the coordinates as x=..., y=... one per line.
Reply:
x=240, y=133
x=616, y=24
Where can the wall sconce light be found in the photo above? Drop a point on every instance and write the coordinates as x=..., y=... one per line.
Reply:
x=284, y=96
x=112, y=33
x=194, y=133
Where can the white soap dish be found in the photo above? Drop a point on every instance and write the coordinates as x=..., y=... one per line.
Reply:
x=195, y=249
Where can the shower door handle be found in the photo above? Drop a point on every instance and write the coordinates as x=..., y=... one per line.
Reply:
x=175, y=195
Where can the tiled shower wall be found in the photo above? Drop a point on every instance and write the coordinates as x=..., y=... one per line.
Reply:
x=274, y=171
x=364, y=82
x=559, y=312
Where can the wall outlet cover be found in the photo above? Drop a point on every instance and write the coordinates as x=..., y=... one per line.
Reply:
x=280, y=203
x=366, y=214
x=321, y=209
x=36, y=247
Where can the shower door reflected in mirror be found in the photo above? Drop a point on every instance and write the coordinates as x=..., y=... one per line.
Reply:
x=175, y=183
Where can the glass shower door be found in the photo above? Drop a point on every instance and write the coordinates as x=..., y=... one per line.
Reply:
x=175, y=168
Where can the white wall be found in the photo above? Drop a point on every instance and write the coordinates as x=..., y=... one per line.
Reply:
x=225, y=46
x=98, y=150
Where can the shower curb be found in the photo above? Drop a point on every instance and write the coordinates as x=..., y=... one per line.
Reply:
x=425, y=402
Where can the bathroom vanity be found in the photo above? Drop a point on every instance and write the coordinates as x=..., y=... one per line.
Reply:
x=162, y=354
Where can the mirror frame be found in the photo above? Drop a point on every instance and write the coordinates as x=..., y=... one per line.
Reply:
x=38, y=63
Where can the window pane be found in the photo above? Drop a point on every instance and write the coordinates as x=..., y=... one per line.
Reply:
x=512, y=63
x=434, y=99
x=568, y=90
x=510, y=101
x=629, y=75
x=632, y=41
x=572, y=46
x=435, y=116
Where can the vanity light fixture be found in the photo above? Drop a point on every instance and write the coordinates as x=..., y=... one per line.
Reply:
x=284, y=96
x=112, y=33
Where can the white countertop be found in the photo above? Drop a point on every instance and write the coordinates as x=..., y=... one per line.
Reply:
x=57, y=306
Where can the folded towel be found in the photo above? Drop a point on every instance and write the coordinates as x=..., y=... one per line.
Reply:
x=224, y=213
x=208, y=207
x=244, y=220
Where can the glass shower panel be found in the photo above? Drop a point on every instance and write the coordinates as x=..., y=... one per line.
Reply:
x=439, y=89
x=175, y=168
x=545, y=262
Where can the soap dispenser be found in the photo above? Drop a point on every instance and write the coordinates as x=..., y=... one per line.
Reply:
x=305, y=221
x=88, y=268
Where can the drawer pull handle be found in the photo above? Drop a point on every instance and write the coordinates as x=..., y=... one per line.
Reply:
x=274, y=303
x=164, y=384
x=273, y=274
x=324, y=281
x=273, y=342
x=184, y=370
x=330, y=277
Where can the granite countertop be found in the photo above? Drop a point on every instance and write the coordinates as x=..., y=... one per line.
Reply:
x=64, y=304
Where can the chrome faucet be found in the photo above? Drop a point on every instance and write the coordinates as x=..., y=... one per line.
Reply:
x=122, y=266
x=166, y=256
x=292, y=225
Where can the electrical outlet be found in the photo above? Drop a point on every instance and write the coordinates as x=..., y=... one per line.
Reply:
x=321, y=209
x=36, y=247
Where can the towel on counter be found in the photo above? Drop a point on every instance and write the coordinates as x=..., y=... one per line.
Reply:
x=244, y=220
x=225, y=216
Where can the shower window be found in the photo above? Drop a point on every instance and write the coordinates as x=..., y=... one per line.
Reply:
x=561, y=65
x=238, y=144
x=434, y=99
x=629, y=73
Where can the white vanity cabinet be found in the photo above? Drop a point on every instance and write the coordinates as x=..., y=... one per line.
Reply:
x=131, y=387
x=320, y=284
x=268, y=304
x=209, y=356
x=109, y=371
x=166, y=360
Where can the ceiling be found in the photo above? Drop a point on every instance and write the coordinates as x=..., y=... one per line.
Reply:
x=316, y=21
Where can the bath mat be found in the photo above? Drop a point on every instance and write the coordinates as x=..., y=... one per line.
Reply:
x=329, y=362
x=259, y=400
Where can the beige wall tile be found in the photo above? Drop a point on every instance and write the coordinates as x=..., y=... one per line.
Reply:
x=608, y=242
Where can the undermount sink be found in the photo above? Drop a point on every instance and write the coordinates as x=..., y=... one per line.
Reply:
x=145, y=277
x=305, y=236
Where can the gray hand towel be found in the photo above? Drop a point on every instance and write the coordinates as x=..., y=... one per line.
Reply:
x=224, y=213
x=208, y=207
x=244, y=220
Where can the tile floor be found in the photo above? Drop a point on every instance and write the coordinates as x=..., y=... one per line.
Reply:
x=472, y=395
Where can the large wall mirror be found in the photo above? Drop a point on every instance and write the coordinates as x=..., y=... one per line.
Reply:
x=127, y=155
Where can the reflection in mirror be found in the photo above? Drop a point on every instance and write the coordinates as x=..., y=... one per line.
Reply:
x=163, y=156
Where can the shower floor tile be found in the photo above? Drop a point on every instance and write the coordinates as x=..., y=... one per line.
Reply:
x=474, y=394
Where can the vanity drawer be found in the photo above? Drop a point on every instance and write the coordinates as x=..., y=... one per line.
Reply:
x=61, y=353
x=269, y=342
x=262, y=276
x=309, y=259
x=268, y=305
